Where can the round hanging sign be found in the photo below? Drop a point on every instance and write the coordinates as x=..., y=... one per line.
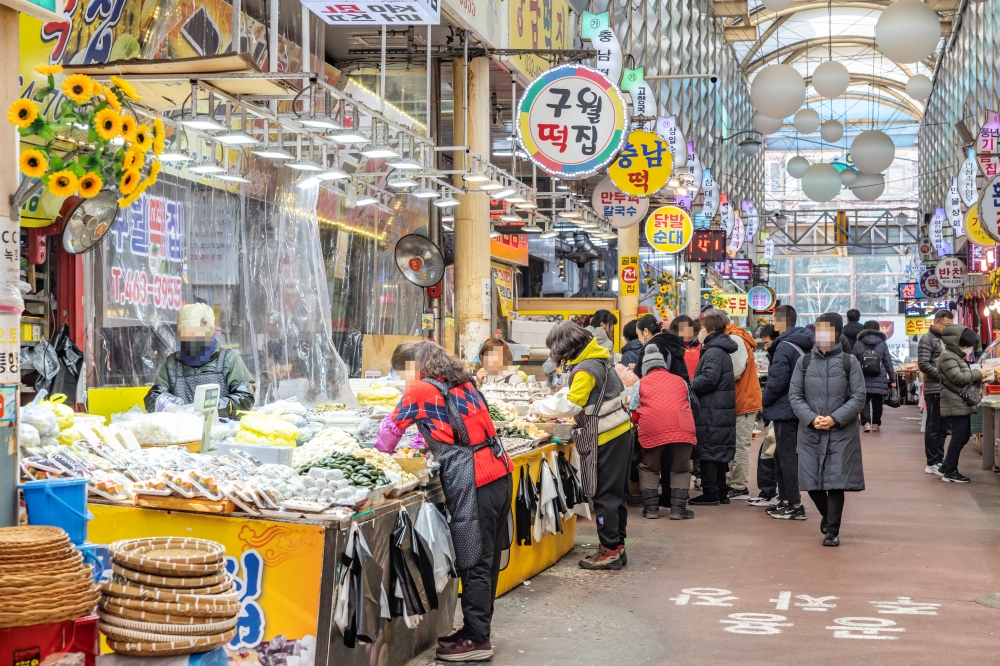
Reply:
x=988, y=210
x=931, y=286
x=974, y=230
x=643, y=166
x=572, y=121
x=623, y=210
x=669, y=229
x=761, y=298
x=950, y=272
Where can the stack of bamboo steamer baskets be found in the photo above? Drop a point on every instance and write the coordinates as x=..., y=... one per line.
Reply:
x=42, y=577
x=168, y=596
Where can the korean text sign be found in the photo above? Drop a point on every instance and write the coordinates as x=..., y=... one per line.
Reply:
x=669, y=229
x=539, y=25
x=411, y=12
x=643, y=166
x=628, y=275
x=511, y=248
x=622, y=209
x=736, y=305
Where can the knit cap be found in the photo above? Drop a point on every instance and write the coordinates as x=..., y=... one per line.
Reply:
x=652, y=359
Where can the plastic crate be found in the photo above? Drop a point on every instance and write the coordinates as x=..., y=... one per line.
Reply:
x=23, y=646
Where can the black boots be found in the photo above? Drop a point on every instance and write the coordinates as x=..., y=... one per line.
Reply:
x=708, y=497
x=678, y=504
x=650, y=503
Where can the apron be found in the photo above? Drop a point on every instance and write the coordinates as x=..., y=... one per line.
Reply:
x=585, y=436
x=185, y=384
x=458, y=480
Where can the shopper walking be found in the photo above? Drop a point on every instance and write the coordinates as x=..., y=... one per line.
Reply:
x=687, y=329
x=715, y=386
x=955, y=376
x=928, y=349
x=453, y=418
x=630, y=352
x=876, y=365
x=791, y=344
x=604, y=437
x=852, y=328
x=826, y=392
x=767, y=484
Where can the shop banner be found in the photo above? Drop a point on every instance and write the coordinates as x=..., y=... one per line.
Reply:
x=622, y=209
x=643, y=166
x=596, y=29
x=539, y=25
x=917, y=325
x=669, y=229
x=510, y=248
x=277, y=566
x=736, y=304
x=987, y=145
x=761, y=298
x=503, y=278
x=409, y=12
x=628, y=275
x=951, y=272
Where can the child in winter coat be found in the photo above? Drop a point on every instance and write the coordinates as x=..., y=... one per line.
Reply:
x=663, y=414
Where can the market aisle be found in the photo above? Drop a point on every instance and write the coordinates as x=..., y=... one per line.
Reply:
x=908, y=535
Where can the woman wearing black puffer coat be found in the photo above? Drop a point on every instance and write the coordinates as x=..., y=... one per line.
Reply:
x=715, y=385
x=878, y=371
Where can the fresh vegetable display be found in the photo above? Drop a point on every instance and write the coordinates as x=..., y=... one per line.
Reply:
x=512, y=430
x=356, y=470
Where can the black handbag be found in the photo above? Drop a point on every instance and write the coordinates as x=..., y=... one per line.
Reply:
x=892, y=400
x=969, y=394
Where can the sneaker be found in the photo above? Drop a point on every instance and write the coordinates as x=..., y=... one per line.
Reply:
x=791, y=513
x=776, y=508
x=868, y=427
x=724, y=497
x=760, y=500
x=875, y=428
x=955, y=477
x=934, y=469
x=466, y=650
x=831, y=540
x=450, y=639
x=739, y=494
x=604, y=559
x=623, y=556
x=705, y=499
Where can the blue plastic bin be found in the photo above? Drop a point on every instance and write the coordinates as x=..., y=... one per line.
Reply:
x=60, y=503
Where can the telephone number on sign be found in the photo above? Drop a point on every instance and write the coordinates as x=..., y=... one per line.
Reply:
x=136, y=287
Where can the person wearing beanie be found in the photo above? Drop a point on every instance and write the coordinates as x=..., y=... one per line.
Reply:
x=200, y=361
x=876, y=364
x=662, y=412
x=955, y=375
x=827, y=392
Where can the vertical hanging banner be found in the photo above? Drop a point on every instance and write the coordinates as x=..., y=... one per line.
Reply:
x=666, y=127
x=634, y=83
x=596, y=29
x=937, y=231
x=953, y=209
x=989, y=209
x=987, y=145
x=710, y=196
x=643, y=166
x=768, y=251
x=628, y=275
x=726, y=212
x=694, y=164
x=503, y=278
x=736, y=239
x=622, y=209
x=967, y=180
x=752, y=219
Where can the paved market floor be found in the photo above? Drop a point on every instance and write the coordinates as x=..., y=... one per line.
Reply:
x=734, y=586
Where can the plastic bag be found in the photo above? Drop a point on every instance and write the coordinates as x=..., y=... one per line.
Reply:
x=44, y=420
x=27, y=434
x=555, y=406
x=65, y=416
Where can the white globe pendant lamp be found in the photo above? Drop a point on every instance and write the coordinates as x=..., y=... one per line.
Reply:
x=778, y=91
x=831, y=131
x=806, y=121
x=797, y=166
x=907, y=31
x=765, y=125
x=821, y=182
x=868, y=186
x=919, y=87
x=831, y=79
x=777, y=5
x=848, y=177
x=872, y=151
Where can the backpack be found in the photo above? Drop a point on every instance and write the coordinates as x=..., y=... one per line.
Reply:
x=871, y=364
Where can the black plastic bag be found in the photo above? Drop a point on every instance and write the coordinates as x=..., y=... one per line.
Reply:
x=892, y=400
x=524, y=508
x=405, y=572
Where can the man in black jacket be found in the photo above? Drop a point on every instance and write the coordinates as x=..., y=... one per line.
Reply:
x=928, y=349
x=852, y=329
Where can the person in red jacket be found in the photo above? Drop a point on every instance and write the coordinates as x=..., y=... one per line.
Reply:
x=661, y=409
x=688, y=330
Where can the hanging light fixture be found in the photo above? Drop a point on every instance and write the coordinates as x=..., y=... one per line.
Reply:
x=425, y=192
x=267, y=151
x=321, y=122
x=447, y=201
x=236, y=137
x=209, y=166
x=207, y=123
x=379, y=149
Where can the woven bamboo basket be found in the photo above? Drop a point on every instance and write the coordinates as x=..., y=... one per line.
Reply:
x=62, y=611
x=163, y=594
x=169, y=607
x=109, y=607
x=172, y=647
x=172, y=582
x=205, y=629
x=168, y=550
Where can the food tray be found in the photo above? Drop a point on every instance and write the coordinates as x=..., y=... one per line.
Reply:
x=194, y=505
x=280, y=513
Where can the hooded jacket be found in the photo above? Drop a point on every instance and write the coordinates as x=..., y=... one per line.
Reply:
x=748, y=392
x=612, y=421
x=715, y=386
x=851, y=331
x=630, y=352
x=928, y=350
x=869, y=339
x=602, y=337
x=955, y=373
x=664, y=413
x=779, y=374
x=670, y=343
x=828, y=459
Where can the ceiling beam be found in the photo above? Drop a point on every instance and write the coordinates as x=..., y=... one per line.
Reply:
x=806, y=45
x=761, y=14
x=890, y=102
x=763, y=38
x=892, y=87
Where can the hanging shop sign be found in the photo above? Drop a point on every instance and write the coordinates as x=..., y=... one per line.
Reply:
x=707, y=245
x=736, y=237
x=953, y=209
x=726, y=213
x=596, y=28
x=669, y=229
x=628, y=275
x=733, y=269
x=987, y=145
x=937, y=232
x=974, y=230
x=694, y=164
x=666, y=127
x=752, y=219
x=980, y=259
x=736, y=304
x=643, y=166
x=710, y=195
x=989, y=208
x=623, y=210
x=761, y=298
x=950, y=272
x=768, y=251
x=967, y=179
x=634, y=83
x=917, y=325
x=572, y=121
x=536, y=26
x=909, y=291
x=503, y=279
x=357, y=12
x=928, y=253
x=510, y=248
x=931, y=286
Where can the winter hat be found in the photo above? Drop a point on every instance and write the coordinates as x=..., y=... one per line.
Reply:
x=968, y=338
x=832, y=319
x=652, y=359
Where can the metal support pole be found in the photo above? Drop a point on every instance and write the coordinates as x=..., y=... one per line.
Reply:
x=381, y=86
x=513, y=120
x=306, y=46
x=465, y=97
x=272, y=36
x=237, y=26
x=434, y=130
x=427, y=123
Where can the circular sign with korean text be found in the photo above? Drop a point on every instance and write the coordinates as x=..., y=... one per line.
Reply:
x=571, y=121
x=643, y=166
x=974, y=230
x=931, y=286
x=669, y=229
x=761, y=298
x=950, y=272
x=988, y=209
x=622, y=209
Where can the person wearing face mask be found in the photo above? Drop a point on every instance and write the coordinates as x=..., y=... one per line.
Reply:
x=827, y=392
x=955, y=374
x=688, y=330
x=201, y=361
x=876, y=364
x=602, y=327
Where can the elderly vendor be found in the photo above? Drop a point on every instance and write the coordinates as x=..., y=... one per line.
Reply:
x=201, y=361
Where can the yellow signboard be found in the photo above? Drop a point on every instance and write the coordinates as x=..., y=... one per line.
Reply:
x=538, y=25
x=643, y=166
x=737, y=304
x=974, y=230
x=628, y=275
x=669, y=229
x=917, y=325
x=503, y=278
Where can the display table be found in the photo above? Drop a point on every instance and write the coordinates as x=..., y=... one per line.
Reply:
x=903, y=379
x=991, y=410
x=286, y=572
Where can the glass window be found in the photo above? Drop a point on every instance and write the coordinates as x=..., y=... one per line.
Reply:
x=871, y=304
x=819, y=304
x=880, y=264
x=780, y=286
x=818, y=265
x=875, y=284
x=822, y=285
x=781, y=265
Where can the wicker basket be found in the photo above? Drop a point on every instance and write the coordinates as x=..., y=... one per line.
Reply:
x=168, y=550
x=171, y=608
x=107, y=606
x=204, y=629
x=172, y=648
x=112, y=589
x=172, y=582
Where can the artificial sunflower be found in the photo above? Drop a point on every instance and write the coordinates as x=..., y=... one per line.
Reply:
x=108, y=124
x=90, y=185
x=160, y=140
x=128, y=127
x=143, y=138
x=127, y=88
x=154, y=172
x=134, y=159
x=33, y=163
x=22, y=113
x=62, y=183
x=658, y=300
x=79, y=88
x=664, y=288
x=111, y=98
x=129, y=181
x=48, y=70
